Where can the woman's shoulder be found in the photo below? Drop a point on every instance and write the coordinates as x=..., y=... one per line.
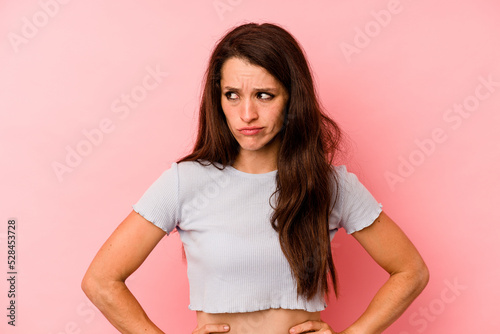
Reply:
x=347, y=180
x=197, y=166
x=339, y=168
x=199, y=172
x=339, y=172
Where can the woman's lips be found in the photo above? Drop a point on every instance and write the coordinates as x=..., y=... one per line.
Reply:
x=249, y=131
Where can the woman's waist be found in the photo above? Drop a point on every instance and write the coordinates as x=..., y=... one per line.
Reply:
x=271, y=321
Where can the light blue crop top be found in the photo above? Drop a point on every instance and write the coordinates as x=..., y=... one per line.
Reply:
x=234, y=259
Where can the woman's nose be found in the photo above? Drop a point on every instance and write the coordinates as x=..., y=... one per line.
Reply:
x=248, y=111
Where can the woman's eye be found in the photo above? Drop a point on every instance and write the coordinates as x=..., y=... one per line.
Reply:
x=231, y=96
x=265, y=96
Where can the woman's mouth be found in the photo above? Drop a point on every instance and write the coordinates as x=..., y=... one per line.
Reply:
x=249, y=131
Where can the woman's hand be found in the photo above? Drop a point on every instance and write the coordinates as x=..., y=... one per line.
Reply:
x=312, y=326
x=212, y=328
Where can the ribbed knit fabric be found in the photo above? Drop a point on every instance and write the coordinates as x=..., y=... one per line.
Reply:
x=235, y=262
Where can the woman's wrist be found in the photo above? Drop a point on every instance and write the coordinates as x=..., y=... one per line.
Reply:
x=358, y=328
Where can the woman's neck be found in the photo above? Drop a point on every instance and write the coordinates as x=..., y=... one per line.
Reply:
x=261, y=161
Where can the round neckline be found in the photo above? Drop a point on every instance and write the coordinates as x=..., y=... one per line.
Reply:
x=251, y=175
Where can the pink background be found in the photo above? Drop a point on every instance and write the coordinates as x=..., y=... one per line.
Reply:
x=390, y=72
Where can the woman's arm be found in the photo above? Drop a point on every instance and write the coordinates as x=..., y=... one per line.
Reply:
x=392, y=250
x=104, y=282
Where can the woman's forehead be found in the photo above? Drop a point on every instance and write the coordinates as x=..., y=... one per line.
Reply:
x=236, y=73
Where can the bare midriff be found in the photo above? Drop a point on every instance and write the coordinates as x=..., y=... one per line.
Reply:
x=272, y=321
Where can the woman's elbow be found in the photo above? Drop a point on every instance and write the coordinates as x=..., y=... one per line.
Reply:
x=89, y=285
x=421, y=277
x=101, y=291
x=95, y=286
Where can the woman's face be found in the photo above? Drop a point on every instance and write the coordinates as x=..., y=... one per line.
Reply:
x=253, y=102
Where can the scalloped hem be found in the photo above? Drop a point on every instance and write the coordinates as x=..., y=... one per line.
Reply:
x=370, y=221
x=262, y=308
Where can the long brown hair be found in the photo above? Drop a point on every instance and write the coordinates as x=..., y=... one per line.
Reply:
x=310, y=139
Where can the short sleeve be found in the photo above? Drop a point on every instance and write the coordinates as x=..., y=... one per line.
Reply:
x=159, y=204
x=357, y=208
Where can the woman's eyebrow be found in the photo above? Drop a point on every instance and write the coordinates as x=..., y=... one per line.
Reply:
x=266, y=89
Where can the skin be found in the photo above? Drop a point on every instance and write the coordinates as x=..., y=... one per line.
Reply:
x=251, y=97
x=104, y=282
x=245, y=102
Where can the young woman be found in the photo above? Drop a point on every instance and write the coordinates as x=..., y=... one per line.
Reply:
x=257, y=203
